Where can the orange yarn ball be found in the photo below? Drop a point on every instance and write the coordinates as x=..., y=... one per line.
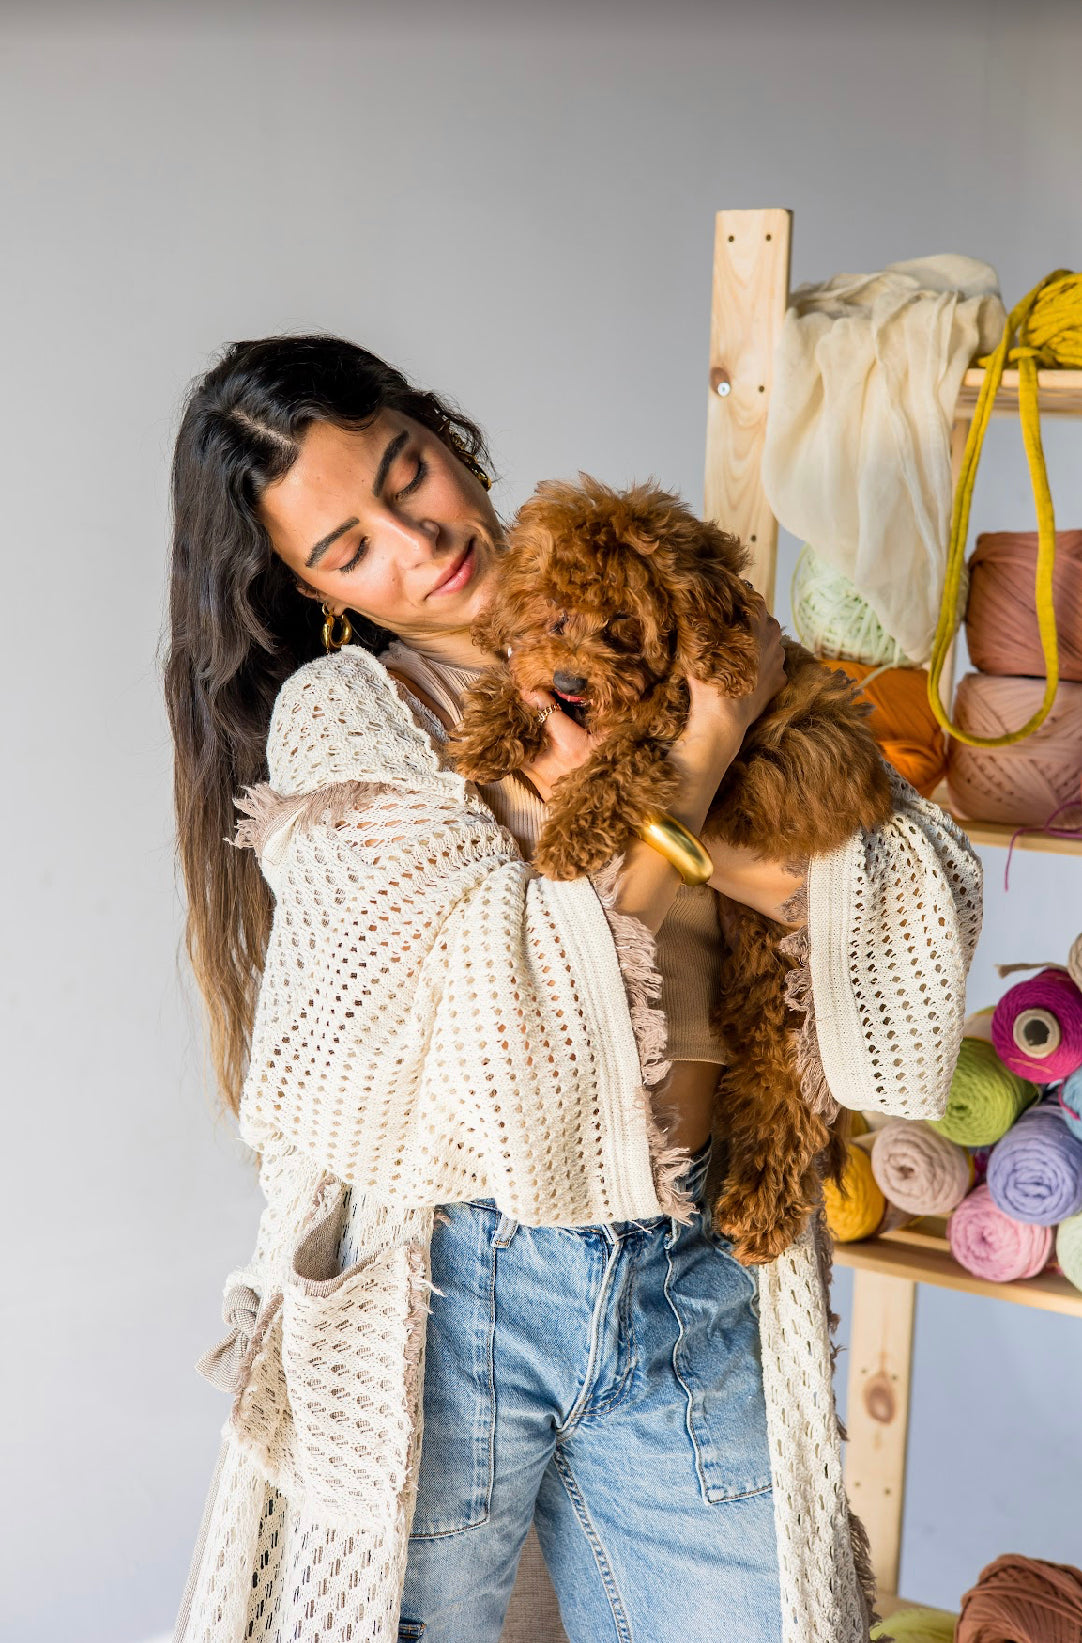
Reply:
x=902, y=722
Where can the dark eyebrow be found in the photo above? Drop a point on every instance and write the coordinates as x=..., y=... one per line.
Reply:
x=386, y=459
x=325, y=542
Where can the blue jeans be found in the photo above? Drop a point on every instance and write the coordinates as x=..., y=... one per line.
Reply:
x=604, y=1381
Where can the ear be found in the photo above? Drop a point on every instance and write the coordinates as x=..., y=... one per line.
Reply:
x=489, y=630
x=714, y=638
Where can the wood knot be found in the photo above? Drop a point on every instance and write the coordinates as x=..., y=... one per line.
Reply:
x=879, y=1399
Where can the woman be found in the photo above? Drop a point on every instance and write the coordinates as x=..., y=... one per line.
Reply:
x=482, y=1173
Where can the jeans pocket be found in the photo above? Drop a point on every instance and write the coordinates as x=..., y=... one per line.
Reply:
x=454, y=1488
x=718, y=1362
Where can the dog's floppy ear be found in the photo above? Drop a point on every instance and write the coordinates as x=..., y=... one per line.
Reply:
x=713, y=607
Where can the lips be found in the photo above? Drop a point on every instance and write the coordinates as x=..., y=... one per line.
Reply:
x=452, y=574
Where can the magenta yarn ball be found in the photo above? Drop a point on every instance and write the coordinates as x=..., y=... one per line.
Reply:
x=1037, y=1027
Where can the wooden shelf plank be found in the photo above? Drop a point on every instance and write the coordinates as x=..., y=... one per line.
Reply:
x=999, y=833
x=925, y=1258
x=1060, y=393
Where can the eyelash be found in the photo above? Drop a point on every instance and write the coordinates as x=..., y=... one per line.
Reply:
x=351, y=564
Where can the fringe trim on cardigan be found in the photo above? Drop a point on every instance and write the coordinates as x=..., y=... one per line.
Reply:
x=798, y=996
x=267, y=811
x=636, y=951
x=858, y=1534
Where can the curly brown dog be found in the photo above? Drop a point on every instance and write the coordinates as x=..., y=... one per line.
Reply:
x=609, y=600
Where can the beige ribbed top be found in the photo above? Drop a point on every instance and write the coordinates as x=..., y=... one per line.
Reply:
x=689, y=949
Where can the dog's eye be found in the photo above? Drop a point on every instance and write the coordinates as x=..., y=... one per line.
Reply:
x=624, y=629
x=559, y=625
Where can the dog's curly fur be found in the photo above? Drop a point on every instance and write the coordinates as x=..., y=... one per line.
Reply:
x=610, y=600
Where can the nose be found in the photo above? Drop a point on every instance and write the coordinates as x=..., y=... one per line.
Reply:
x=569, y=684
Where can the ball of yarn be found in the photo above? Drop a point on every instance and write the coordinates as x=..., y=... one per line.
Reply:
x=902, y=722
x=979, y=1024
x=918, y=1170
x=993, y=1245
x=1026, y=782
x=1037, y=1027
x=856, y=1208
x=985, y=1098
x=1001, y=610
x=1023, y=1600
x=1074, y=962
x=1069, y=1249
x=1070, y=1102
x=832, y=619
x=1035, y=1172
x=917, y=1626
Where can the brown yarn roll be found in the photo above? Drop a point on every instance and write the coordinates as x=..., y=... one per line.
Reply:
x=901, y=721
x=1023, y=1600
x=1001, y=615
x=1025, y=782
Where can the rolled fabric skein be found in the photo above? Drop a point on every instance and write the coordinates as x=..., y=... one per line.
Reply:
x=1022, y=783
x=917, y=1626
x=1037, y=1027
x=857, y=1208
x=1002, y=633
x=919, y=1170
x=902, y=722
x=1023, y=1600
x=985, y=1097
x=1069, y=1249
x=993, y=1245
x=1035, y=1172
x=1069, y=1097
x=832, y=619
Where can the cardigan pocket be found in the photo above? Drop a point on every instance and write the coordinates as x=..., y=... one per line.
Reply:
x=330, y=1407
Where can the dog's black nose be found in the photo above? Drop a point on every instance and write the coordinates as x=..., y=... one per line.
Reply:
x=569, y=684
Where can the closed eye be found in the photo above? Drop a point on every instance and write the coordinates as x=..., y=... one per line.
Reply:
x=422, y=470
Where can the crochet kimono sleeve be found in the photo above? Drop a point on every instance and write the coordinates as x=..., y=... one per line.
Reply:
x=893, y=921
x=438, y=1022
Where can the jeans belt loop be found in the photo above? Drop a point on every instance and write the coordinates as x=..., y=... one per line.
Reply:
x=505, y=1231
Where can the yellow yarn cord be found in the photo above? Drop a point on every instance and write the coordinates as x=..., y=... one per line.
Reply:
x=1048, y=323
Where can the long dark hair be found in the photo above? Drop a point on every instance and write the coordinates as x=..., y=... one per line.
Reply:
x=239, y=627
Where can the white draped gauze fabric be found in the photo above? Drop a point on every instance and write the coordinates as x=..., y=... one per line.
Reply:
x=857, y=455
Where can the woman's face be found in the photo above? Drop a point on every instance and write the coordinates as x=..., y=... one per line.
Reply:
x=387, y=522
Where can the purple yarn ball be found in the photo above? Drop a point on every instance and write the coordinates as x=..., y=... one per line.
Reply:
x=1035, y=1171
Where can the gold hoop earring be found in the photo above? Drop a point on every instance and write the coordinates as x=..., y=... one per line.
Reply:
x=335, y=640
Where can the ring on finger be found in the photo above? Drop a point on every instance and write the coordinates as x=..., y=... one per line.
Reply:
x=553, y=707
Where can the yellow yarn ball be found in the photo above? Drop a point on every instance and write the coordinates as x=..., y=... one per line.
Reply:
x=918, y=1626
x=856, y=1208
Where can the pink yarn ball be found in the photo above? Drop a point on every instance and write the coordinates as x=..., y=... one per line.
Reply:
x=1001, y=612
x=993, y=1245
x=1037, y=1027
x=1027, y=781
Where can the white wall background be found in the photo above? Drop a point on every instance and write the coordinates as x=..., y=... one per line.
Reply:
x=518, y=209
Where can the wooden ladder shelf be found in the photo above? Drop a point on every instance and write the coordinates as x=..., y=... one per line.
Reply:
x=750, y=296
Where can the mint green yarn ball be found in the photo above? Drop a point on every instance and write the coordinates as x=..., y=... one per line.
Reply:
x=1069, y=1249
x=918, y=1626
x=985, y=1099
x=833, y=620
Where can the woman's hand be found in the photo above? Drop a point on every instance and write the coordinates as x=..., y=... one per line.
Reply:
x=717, y=722
x=565, y=747
x=711, y=738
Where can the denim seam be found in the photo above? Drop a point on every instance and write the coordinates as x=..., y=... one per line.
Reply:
x=710, y=1495
x=618, y=1393
x=601, y=1559
x=579, y=1405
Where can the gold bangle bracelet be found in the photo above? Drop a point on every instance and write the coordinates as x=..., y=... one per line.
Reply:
x=678, y=845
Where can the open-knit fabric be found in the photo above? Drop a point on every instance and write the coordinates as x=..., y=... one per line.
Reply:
x=688, y=943
x=439, y=1022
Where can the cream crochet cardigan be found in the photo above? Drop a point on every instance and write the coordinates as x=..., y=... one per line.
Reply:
x=438, y=1022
